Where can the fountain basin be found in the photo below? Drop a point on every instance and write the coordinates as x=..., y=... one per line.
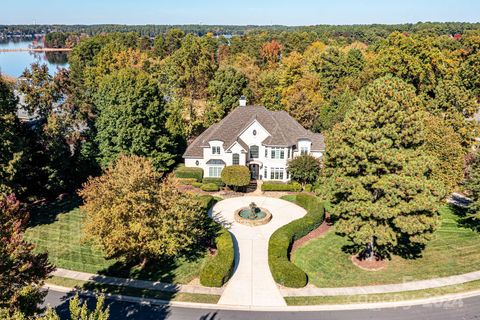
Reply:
x=243, y=216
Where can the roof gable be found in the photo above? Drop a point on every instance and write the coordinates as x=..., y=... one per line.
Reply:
x=283, y=130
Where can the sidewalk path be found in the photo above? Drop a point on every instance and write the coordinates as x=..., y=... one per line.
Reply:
x=386, y=288
x=252, y=283
x=141, y=284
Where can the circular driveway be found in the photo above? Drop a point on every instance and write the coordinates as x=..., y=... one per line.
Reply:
x=252, y=283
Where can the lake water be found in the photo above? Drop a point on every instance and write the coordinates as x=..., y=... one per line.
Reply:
x=13, y=63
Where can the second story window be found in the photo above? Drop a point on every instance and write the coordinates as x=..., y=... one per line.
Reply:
x=253, y=152
x=235, y=159
x=278, y=153
x=303, y=150
x=216, y=150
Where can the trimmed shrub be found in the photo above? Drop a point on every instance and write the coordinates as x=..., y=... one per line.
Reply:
x=219, y=268
x=283, y=271
x=189, y=172
x=217, y=181
x=187, y=181
x=206, y=201
x=236, y=176
x=276, y=186
x=209, y=187
x=307, y=188
x=197, y=184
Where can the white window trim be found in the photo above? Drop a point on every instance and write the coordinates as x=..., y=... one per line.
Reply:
x=277, y=173
x=215, y=171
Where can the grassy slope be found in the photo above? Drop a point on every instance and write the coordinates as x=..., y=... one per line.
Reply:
x=454, y=250
x=57, y=229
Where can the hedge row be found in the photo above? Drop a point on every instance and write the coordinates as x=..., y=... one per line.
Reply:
x=285, y=272
x=187, y=181
x=219, y=268
x=209, y=187
x=189, y=172
x=217, y=181
x=272, y=186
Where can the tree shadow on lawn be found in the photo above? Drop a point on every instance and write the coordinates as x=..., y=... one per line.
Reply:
x=154, y=270
x=464, y=221
x=405, y=250
x=162, y=269
x=47, y=213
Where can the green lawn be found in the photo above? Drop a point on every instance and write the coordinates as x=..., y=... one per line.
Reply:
x=57, y=229
x=454, y=250
x=384, y=297
x=135, y=292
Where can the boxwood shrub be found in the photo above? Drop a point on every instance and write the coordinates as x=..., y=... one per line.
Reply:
x=197, y=184
x=209, y=187
x=189, y=172
x=206, y=201
x=276, y=186
x=217, y=181
x=219, y=268
x=187, y=181
x=285, y=272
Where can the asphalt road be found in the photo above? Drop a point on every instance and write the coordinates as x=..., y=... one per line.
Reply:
x=454, y=310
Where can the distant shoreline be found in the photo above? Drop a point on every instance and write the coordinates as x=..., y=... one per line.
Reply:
x=36, y=49
x=8, y=78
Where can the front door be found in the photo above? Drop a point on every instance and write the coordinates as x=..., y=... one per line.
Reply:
x=254, y=171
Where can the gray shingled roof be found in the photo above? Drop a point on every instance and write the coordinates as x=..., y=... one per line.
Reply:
x=285, y=131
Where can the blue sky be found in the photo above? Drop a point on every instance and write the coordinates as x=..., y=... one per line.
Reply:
x=293, y=12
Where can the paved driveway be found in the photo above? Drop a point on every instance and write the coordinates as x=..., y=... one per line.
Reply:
x=252, y=283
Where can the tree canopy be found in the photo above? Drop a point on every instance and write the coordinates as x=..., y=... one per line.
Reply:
x=384, y=197
x=133, y=214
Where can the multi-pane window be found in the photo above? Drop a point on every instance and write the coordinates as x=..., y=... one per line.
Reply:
x=216, y=150
x=235, y=158
x=303, y=150
x=253, y=152
x=214, y=171
x=276, y=173
x=266, y=152
x=265, y=172
x=277, y=153
x=288, y=153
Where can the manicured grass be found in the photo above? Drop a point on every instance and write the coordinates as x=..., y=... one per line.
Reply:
x=385, y=297
x=454, y=250
x=135, y=292
x=57, y=229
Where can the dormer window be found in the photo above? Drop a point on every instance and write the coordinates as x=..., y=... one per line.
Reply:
x=215, y=150
x=303, y=150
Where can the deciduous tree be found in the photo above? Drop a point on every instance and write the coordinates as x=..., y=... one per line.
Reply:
x=131, y=119
x=304, y=168
x=12, y=146
x=22, y=272
x=133, y=214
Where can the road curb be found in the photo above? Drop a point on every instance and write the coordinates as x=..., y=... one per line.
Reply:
x=449, y=298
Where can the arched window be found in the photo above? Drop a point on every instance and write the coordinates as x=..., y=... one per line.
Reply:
x=235, y=158
x=253, y=152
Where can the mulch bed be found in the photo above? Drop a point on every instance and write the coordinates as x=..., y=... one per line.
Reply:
x=368, y=265
x=320, y=230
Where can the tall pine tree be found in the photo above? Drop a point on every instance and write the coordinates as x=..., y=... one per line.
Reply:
x=384, y=197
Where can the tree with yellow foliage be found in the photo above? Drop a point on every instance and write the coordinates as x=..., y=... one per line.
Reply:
x=133, y=213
